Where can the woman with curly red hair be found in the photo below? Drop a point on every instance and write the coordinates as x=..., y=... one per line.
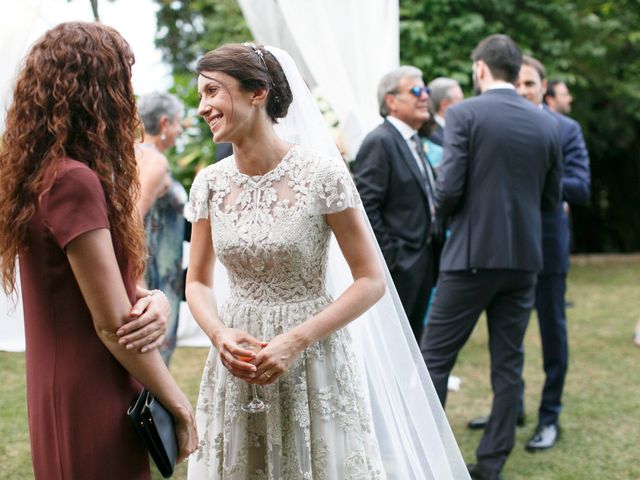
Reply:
x=68, y=186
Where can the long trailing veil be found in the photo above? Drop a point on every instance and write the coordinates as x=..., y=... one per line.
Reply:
x=416, y=442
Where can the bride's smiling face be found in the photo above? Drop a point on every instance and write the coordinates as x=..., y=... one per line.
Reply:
x=227, y=109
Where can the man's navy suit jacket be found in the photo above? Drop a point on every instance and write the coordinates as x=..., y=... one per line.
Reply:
x=502, y=164
x=576, y=189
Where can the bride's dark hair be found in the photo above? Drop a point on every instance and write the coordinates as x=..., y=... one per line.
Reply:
x=254, y=67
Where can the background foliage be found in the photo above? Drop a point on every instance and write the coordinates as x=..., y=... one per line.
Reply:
x=593, y=45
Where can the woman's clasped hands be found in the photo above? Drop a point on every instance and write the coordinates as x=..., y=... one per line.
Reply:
x=147, y=324
x=255, y=361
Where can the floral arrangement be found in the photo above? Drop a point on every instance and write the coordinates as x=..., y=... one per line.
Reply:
x=332, y=122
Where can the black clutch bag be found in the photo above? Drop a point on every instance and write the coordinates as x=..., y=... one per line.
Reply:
x=155, y=427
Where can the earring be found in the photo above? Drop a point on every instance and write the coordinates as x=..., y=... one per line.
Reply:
x=163, y=137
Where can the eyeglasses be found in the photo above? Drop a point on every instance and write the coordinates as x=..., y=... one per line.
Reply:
x=417, y=91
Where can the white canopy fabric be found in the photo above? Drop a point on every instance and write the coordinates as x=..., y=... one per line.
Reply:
x=11, y=325
x=24, y=21
x=16, y=31
x=345, y=46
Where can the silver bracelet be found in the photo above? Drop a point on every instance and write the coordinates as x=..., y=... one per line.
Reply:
x=155, y=291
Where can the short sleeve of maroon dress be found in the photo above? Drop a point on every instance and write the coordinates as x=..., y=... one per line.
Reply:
x=77, y=392
x=75, y=204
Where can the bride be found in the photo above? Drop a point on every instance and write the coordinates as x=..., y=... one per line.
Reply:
x=346, y=398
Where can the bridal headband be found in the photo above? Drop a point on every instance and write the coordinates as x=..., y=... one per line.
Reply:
x=257, y=52
x=260, y=54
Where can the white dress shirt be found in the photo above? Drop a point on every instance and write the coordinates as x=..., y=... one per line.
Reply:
x=497, y=85
x=407, y=132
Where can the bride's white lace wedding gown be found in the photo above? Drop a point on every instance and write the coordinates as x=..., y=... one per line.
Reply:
x=270, y=233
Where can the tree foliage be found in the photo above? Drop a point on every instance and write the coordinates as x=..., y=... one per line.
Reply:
x=593, y=45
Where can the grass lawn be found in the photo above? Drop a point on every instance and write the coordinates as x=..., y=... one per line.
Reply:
x=600, y=422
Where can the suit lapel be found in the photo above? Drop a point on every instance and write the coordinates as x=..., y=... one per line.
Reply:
x=407, y=156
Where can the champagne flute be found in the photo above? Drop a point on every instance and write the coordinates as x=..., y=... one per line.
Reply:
x=256, y=405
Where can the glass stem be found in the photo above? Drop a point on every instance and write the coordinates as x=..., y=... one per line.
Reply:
x=254, y=390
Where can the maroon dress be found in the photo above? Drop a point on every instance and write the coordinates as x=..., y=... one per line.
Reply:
x=77, y=393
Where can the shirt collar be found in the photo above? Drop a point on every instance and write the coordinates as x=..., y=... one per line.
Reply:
x=405, y=130
x=439, y=120
x=496, y=85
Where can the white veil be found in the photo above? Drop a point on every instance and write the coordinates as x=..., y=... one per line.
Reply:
x=415, y=439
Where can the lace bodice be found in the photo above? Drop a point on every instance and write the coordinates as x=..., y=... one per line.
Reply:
x=269, y=230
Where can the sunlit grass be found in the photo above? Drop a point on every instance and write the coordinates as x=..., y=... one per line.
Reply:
x=600, y=421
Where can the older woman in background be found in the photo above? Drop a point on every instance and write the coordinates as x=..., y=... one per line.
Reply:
x=161, y=204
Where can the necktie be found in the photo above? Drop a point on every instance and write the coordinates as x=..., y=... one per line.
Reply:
x=429, y=181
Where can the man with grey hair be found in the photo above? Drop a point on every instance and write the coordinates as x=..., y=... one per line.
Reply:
x=395, y=181
x=445, y=92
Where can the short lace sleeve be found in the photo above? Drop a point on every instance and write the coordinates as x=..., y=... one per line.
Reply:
x=197, y=207
x=332, y=189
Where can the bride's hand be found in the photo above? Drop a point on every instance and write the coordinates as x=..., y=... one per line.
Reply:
x=276, y=358
x=234, y=357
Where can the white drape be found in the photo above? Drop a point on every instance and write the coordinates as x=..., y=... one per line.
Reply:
x=346, y=46
x=16, y=31
x=11, y=325
x=24, y=21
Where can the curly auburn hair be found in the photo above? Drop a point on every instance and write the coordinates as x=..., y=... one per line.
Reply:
x=73, y=98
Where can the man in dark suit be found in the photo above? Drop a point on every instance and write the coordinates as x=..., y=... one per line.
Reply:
x=395, y=181
x=502, y=164
x=551, y=286
x=557, y=97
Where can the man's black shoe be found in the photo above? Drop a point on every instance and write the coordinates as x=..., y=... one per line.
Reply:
x=479, y=473
x=479, y=423
x=545, y=437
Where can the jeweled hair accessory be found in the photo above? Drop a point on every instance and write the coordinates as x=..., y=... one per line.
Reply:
x=258, y=52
